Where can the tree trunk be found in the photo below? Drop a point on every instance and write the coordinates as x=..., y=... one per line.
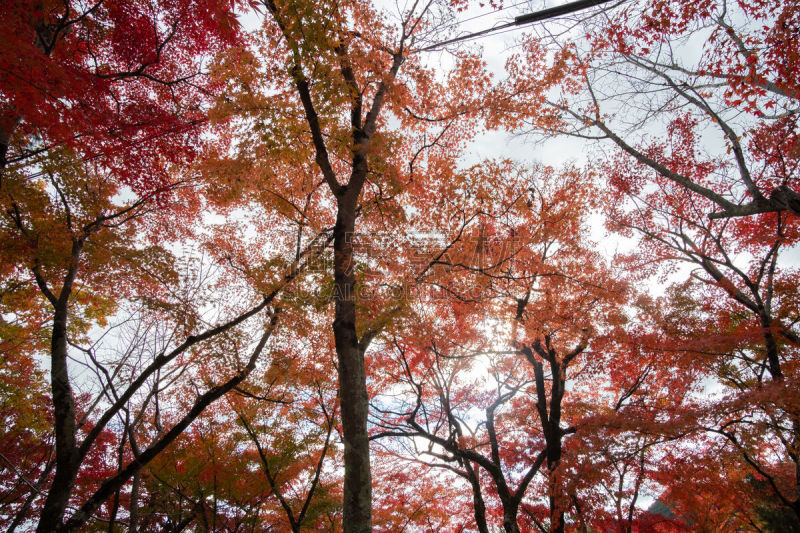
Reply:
x=8, y=122
x=510, y=520
x=556, y=507
x=64, y=413
x=352, y=374
x=133, y=521
x=554, y=446
x=478, y=505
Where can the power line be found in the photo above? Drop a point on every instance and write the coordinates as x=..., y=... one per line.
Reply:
x=481, y=15
x=522, y=20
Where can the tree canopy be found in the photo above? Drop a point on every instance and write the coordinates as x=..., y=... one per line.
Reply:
x=257, y=275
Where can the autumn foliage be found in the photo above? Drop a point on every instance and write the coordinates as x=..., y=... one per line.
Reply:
x=254, y=277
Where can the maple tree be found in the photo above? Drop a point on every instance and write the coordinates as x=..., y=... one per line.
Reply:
x=79, y=188
x=741, y=86
x=223, y=474
x=320, y=91
x=556, y=310
x=704, y=174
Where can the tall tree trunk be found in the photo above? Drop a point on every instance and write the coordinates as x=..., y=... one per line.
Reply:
x=352, y=374
x=553, y=460
x=554, y=446
x=478, y=505
x=133, y=521
x=64, y=413
x=67, y=454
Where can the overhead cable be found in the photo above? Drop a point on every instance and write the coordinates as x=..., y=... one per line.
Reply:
x=523, y=20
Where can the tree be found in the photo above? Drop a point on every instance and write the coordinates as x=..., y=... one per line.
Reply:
x=555, y=314
x=737, y=309
x=79, y=190
x=703, y=170
x=314, y=103
x=26, y=450
x=634, y=75
x=262, y=460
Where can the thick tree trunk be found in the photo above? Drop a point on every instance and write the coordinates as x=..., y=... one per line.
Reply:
x=510, y=520
x=553, y=459
x=67, y=455
x=133, y=521
x=478, y=505
x=554, y=446
x=64, y=413
x=352, y=375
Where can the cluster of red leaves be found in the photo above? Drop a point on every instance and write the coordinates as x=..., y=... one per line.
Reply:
x=116, y=81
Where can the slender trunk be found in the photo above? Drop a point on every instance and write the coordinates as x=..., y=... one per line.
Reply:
x=579, y=512
x=478, y=505
x=112, y=521
x=133, y=521
x=64, y=414
x=776, y=372
x=553, y=460
x=352, y=375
